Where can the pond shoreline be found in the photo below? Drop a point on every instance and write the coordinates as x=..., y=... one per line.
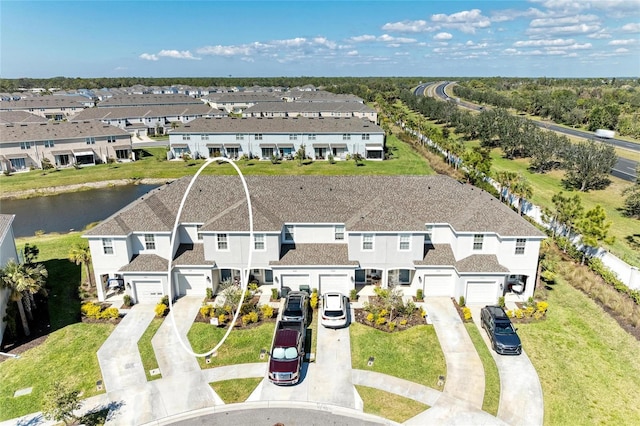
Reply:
x=55, y=190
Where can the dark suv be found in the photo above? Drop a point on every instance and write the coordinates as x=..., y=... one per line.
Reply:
x=296, y=307
x=503, y=336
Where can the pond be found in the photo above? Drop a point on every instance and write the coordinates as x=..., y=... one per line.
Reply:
x=69, y=211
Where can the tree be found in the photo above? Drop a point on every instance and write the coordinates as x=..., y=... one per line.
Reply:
x=81, y=255
x=301, y=154
x=588, y=165
x=632, y=201
x=60, y=403
x=477, y=164
x=30, y=254
x=594, y=228
x=568, y=211
x=523, y=190
x=11, y=277
x=506, y=179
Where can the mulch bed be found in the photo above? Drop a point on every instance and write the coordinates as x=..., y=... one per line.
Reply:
x=412, y=320
x=40, y=328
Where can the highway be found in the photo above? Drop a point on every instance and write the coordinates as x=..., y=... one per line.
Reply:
x=623, y=169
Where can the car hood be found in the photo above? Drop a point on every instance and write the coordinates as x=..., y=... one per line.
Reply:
x=283, y=366
x=509, y=340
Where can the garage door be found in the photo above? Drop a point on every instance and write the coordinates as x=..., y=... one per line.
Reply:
x=192, y=285
x=294, y=281
x=482, y=292
x=339, y=283
x=148, y=291
x=438, y=285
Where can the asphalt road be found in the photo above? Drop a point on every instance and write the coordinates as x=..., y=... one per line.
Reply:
x=624, y=167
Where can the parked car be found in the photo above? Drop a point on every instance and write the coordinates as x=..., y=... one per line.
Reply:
x=296, y=307
x=287, y=353
x=334, y=310
x=498, y=326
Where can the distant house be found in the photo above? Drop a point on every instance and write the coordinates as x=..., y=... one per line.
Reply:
x=7, y=251
x=51, y=107
x=16, y=117
x=333, y=233
x=24, y=146
x=312, y=110
x=147, y=99
x=265, y=137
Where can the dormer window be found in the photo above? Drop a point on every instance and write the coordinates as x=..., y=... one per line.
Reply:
x=478, y=240
x=288, y=233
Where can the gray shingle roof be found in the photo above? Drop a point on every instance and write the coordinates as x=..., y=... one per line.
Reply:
x=278, y=125
x=50, y=101
x=5, y=224
x=138, y=100
x=314, y=254
x=7, y=117
x=313, y=107
x=480, y=263
x=362, y=203
x=146, y=263
x=438, y=254
x=191, y=254
x=59, y=130
x=115, y=113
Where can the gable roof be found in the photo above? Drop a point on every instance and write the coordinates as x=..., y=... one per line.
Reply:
x=58, y=130
x=362, y=203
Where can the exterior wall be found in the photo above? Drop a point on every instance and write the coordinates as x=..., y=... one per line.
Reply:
x=108, y=264
x=7, y=251
x=385, y=253
x=129, y=277
x=464, y=245
x=314, y=275
x=237, y=256
x=315, y=234
x=162, y=242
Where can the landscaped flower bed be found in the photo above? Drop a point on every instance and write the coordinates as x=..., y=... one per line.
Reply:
x=221, y=311
x=388, y=312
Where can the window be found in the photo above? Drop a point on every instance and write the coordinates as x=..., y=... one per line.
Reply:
x=267, y=152
x=293, y=137
x=367, y=241
x=258, y=136
x=186, y=137
x=49, y=144
x=312, y=137
x=338, y=233
x=365, y=136
x=520, y=243
x=107, y=246
x=404, y=242
x=477, y=241
x=258, y=242
x=198, y=232
x=149, y=241
x=346, y=137
x=223, y=243
x=122, y=154
x=429, y=229
x=25, y=145
x=90, y=141
x=205, y=137
x=239, y=137
x=111, y=139
x=288, y=233
x=233, y=152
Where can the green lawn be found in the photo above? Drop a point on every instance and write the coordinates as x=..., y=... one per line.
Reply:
x=242, y=346
x=412, y=354
x=388, y=405
x=236, y=390
x=145, y=348
x=491, y=376
x=588, y=366
x=67, y=354
x=404, y=161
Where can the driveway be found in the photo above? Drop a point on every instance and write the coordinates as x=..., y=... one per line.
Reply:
x=521, y=400
x=465, y=372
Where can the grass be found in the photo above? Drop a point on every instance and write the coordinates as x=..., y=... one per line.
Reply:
x=153, y=165
x=412, y=354
x=588, y=366
x=236, y=390
x=241, y=347
x=67, y=354
x=491, y=376
x=388, y=405
x=145, y=348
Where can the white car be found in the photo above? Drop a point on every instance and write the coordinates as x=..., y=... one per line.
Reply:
x=334, y=310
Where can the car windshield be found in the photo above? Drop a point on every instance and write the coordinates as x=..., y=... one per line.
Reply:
x=293, y=312
x=333, y=314
x=285, y=353
x=504, y=328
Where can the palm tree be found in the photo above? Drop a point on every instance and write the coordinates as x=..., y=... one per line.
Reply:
x=35, y=278
x=523, y=190
x=23, y=281
x=81, y=255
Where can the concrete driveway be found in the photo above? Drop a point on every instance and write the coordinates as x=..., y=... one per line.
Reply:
x=521, y=401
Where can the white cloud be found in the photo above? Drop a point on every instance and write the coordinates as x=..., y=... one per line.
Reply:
x=219, y=50
x=419, y=26
x=627, y=42
x=621, y=50
x=363, y=38
x=541, y=42
x=512, y=14
x=352, y=53
x=292, y=42
x=631, y=27
x=579, y=29
x=442, y=36
x=599, y=35
x=177, y=54
x=149, y=57
x=466, y=21
x=563, y=21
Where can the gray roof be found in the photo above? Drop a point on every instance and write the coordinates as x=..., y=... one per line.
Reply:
x=139, y=100
x=314, y=254
x=309, y=107
x=146, y=263
x=57, y=130
x=115, y=113
x=278, y=125
x=5, y=225
x=8, y=117
x=363, y=203
x=48, y=101
x=480, y=263
x=191, y=254
x=438, y=254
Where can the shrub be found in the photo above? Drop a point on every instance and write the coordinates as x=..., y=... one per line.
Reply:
x=529, y=310
x=267, y=311
x=110, y=313
x=205, y=310
x=419, y=294
x=249, y=318
x=91, y=310
x=461, y=301
x=542, y=307
x=466, y=312
x=164, y=300
x=392, y=325
x=509, y=313
x=127, y=300
x=247, y=308
x=370, y=317
x=161, y=310
x=383, y=312
x=519, y=313
x=313, y=301
x=209, y=293
x=222, y=319
x=501, y=301
x=423, y=313
x=381, y=320
x=353, y=294
x=274, y=294
x=403, y=322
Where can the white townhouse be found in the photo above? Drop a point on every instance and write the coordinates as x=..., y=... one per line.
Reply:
x=259, y=137
x=50, y=107
x=7, y=251
x=24, y=145
x=333, y=233
x=146, y=100
x=312, y=109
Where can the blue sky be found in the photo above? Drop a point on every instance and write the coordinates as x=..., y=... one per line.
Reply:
x=528, y=38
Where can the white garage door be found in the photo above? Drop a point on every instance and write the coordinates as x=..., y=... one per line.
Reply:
x=192, y=285
x=481, y=293
x=438, y=285
x=148, y=291
x=339, y=283
x=294, y=281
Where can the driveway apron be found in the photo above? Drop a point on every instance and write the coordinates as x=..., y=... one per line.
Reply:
x=521, y=400
x=465, y=372
x=118, y=356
